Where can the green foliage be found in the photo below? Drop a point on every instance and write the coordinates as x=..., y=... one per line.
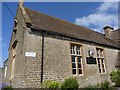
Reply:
x=70, y=84
x=105, y=85
x=115, y=77
x=7, y=88
x=51, y=84
x=90, y=87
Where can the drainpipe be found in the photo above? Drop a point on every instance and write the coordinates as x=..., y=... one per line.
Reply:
x=42, y=56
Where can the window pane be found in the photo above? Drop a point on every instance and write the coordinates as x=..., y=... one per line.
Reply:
x=98, y=60
x=80, y=71
x=72, y=49
x=99, y=65
x=100, y=70
x=103, y=70
x=102, y=65
x=78, y=50
x=102, y=61
x=73, y=65
x=77, y=47
x=101, y=53
x=74, y=71
x=73, y=58
x=79, y=59
x=79, y=65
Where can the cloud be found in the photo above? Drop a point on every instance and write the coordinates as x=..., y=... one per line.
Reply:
x=108, y=6
x=106, y=14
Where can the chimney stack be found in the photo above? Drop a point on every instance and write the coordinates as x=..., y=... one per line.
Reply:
x=108, y=30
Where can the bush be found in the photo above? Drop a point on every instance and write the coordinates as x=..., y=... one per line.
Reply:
x=51, y=84
x=7, y=88
x=90, y=87
x=105, y=85
x=70, y=83
x=115, y=77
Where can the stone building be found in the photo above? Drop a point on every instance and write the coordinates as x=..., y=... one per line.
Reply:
x=1, y=75
x=43, y=47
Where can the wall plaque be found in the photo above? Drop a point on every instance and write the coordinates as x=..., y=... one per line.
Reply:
x=91, y=60
x=30, y=54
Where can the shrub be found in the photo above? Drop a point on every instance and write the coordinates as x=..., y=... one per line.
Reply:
x=7, y=88
x=51, y=84
x=90, y=87
x=105, y=85
x=70, y=83
x=115, y=77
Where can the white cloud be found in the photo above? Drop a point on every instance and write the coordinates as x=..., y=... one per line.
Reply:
x=101, y=17
x=105, y=7
x=111, y=0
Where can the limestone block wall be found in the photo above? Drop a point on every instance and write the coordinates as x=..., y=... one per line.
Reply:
x=5, y=78
x=1, y=76
x=57, y=61
x=33, y=64
x=19, y=79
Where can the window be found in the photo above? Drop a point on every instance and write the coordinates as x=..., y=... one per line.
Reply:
x=101, y=61
x=14, y=46
x=5, y=73
x=15, y=22
x=15, y=27
x=76, y=58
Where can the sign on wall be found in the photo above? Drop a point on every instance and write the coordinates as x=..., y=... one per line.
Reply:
x=30, y=54
x=91, y=60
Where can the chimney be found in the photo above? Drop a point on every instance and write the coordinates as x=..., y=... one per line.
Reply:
x=108, y=30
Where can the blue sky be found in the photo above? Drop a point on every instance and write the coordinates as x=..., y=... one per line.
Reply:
x=94, y=15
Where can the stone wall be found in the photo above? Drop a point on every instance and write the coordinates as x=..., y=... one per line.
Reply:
x=19, y=79
x=57, y=61
x=1, y=75
x=5, y=79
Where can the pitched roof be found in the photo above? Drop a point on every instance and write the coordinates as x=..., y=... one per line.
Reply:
x=48, y=23
x=115, y=36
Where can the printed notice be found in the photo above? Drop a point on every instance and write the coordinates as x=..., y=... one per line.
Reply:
x=30, y=54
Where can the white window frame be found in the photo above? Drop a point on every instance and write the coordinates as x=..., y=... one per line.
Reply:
x=14, y=48
x=100, y=57
x=76, y=58
x=5, y=72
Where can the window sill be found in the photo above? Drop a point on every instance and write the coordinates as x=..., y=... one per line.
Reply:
x=77, y=75
x=102, y=73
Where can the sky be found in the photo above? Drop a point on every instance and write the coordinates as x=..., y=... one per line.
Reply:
x=93, y=15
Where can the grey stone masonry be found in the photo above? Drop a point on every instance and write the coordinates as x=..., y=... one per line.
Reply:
x=1, y=75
